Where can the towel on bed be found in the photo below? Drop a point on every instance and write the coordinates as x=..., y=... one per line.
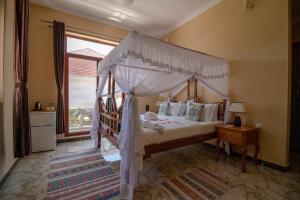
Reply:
x=149, y=125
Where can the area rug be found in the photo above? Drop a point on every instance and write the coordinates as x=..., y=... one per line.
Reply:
x=85, y=175
x=195, y=185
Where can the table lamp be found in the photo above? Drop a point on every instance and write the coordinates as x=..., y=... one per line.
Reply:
x=237, y=107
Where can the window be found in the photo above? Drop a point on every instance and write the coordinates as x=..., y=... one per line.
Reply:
x=80, y=83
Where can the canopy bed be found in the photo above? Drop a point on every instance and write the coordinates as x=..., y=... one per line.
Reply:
x=179, y=131
x=144, y=66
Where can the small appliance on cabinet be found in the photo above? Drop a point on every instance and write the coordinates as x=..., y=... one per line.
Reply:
x=43, y=131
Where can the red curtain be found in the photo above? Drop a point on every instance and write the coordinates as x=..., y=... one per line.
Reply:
x=21, y=113
x=59, y=58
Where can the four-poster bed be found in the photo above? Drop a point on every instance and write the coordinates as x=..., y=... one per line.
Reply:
x=110, y=113
x=143, y=66
x=200, y=132
x=110, y=120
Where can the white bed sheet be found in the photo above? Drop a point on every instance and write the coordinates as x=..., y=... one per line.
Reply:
x=176, y=127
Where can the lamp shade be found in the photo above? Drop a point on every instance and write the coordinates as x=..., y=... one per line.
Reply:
x=237, y=107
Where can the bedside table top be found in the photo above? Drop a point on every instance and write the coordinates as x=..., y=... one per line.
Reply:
x=242, y=128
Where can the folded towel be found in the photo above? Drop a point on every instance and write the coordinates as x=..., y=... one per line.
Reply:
x=150, y=116
x=148, y=125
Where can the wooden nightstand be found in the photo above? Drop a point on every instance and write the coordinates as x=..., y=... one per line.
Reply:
x=240, y=136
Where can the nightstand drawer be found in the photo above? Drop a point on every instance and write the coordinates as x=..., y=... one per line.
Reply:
x=230, y=136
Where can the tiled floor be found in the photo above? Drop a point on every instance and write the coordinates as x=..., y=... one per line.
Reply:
x=28, y=179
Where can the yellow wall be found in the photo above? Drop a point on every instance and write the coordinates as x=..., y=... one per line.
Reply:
x=6, y=134
x=256, y=43
x=151, y=101
x=203, y=94
x=2, y=9
x=41, y=79
x=41, y=83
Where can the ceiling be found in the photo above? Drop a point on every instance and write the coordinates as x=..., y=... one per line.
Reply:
x=151, y=17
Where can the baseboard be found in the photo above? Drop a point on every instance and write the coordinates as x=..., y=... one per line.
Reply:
x=251, y=159
x=66, y=139
x=263, y=163
x=8, y=172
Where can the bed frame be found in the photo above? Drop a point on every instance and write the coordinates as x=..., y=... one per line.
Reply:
x=110, y=114
x=173, y=144
x=110, y=121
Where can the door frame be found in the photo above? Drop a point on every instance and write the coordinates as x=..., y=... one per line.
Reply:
x=66, y=90
x=295, y=90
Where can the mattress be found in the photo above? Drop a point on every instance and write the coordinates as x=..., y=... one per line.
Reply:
x=175, y=127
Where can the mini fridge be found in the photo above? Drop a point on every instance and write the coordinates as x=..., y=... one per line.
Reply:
x=43, y=131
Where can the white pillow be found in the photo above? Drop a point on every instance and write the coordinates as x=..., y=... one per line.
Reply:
x=190, y=101
x=183, y=109
x=210, y=112
x=174, y=109
x=178, y=109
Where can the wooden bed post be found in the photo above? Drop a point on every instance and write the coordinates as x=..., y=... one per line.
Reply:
x=109, y=83
x=224, y=108
x=188, y=90
x=110, y=115
x=112, y=123
x=114, y=107
x=195, y=93
x=120, y=111
x=195, y=88
x=123, y=98
x=113, y=96
x=100, y=110
x=113, y=88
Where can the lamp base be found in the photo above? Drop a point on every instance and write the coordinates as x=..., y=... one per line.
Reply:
x=237, y=121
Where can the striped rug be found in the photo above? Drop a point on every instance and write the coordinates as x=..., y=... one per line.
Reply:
x=195, y=185
x=85, y=175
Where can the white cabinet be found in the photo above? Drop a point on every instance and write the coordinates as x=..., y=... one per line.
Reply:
x=43, y=131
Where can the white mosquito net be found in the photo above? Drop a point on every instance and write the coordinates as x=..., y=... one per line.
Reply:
x=143, y=66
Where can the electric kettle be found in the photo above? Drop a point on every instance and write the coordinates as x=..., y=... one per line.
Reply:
x=37, y=106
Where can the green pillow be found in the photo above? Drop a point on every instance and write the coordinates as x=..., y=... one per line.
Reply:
x=194, y=111
x=164, y=108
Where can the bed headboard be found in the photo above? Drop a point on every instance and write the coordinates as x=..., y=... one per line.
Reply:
x=194, y=96
x=222, y=104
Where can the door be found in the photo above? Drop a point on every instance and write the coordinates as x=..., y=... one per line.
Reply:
x=80, y=87
x=295, y=106
x=80, y=83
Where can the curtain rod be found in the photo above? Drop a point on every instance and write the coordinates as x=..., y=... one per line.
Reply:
x=82, y=30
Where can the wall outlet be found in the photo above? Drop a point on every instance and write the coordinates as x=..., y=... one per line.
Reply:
x=257, y=125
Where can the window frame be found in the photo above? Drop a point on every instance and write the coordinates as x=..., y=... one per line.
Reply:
x=66, y=82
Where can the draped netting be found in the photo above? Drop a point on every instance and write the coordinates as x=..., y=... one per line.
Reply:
x=143, y=66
